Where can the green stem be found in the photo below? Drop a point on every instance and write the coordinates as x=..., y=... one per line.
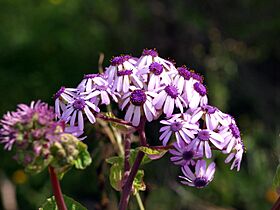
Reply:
x=139, y=201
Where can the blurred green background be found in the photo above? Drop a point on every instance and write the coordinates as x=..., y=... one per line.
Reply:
x=235, y=44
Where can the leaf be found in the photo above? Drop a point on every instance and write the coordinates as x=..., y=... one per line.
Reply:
x=83, y=160
x=114, y=159
x=138, y=183
x=276, y=179
x=152, y=153
x=71, y=204
x=116, y=174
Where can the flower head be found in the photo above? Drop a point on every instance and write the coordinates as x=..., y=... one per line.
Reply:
x=138, y=101
x=183, y=156
x=202, y=176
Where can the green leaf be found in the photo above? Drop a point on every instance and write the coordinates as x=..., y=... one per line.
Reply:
x=83, y=160
x=116, y=174
x=152, y=153
x=71, y=204
x=138, y=183
x=115, y=159
x=276, y=179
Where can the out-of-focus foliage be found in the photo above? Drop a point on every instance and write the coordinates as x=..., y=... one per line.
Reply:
x=235, y=44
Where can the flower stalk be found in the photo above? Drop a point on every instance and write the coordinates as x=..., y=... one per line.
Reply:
x=57, y=190
x=125, y=195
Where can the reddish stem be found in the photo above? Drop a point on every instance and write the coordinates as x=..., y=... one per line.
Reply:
x=57, y=190
x=128, y=183
x=276, y=205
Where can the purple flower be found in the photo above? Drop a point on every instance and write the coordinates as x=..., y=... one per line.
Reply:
x=201, y=142
x=236, y=156
x=212, y=116
x=197, y=95
x=120, y=63
x=231, y=135
x=62, y=96
x=183, y=80
x=23, y=118
x=202, y=176
x=155, y=75
x=167, y=98
x=139, y=101
x=150, y=56
x=182, y=128
x=124, y=79
x=75, y=109
x=182, y=155
x=103, y=91
x=90, y=81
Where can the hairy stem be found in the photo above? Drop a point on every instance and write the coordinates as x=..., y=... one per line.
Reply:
x=125, y=195
x=56, y=190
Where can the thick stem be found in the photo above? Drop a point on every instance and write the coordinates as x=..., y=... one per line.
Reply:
x=56, y=190
x=276, y=205
x=126, y=153
x=128, y=184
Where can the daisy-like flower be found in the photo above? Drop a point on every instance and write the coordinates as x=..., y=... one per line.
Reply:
x=124, y=79
x=201, y=142
x=202, y=176
x=120, y=63
x=167, y=98
x=182, y=156
x=104, y=91
x=151, y=55
x=154, y=75
x=231, y=135
x=184, y=130
x=90, y=81
x=183, y=80
x=138, y=101
x=198, y=96
x=62, y=97
x=236, y=156
x=213, y=116
x=75, y=109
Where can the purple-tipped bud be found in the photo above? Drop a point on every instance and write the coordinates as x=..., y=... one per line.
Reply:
x=151, y=52
x=200, y=88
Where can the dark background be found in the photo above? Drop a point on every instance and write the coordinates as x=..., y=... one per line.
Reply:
x=234, y=44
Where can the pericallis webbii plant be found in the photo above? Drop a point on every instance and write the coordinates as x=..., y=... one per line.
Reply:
x=145, y=89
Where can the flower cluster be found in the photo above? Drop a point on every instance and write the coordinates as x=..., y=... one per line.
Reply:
x=153, y=87
x=38, y=140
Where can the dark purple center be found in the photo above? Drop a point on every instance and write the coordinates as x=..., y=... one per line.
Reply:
x=118, y=60
x=150, y=52
x=200, y=88
x=90, y=76
x=184, y=72
x=176, y=126
x=172, y=91
x=59, y=92
x=235, y=131
x=209, y=109
x=200, y=182
x=197, y=77
x=124, y=72
x=138, y=97
x=156, y=68
x=79, y=104
x=188, y=155
x=203, y=135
